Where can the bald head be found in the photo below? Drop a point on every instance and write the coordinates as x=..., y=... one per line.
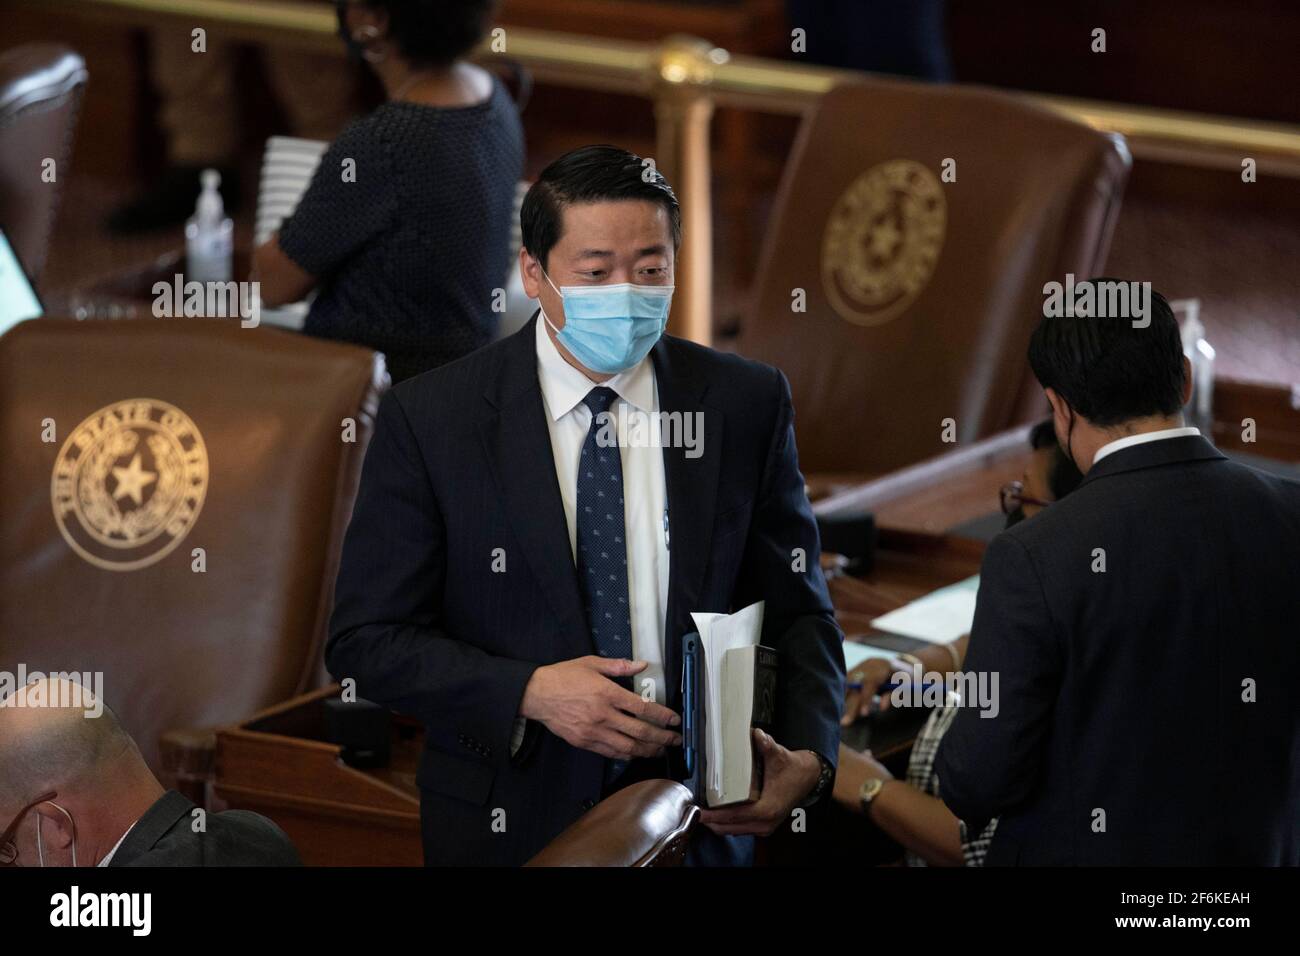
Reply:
x=56, y=735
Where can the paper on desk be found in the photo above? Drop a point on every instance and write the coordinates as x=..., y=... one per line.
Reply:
x=855, y=654
x=940, y=617
x=720, y=633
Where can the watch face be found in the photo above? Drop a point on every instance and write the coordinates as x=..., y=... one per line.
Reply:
x=871, y=788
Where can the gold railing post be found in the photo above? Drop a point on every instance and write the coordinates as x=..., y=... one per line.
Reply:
x=682, y=73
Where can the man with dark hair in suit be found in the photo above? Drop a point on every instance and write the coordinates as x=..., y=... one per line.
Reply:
x=522, y=586
x=74, y=791
x=1143, y=631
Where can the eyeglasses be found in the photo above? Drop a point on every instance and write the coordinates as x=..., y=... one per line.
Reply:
x=1013, y=496
x=8, y=850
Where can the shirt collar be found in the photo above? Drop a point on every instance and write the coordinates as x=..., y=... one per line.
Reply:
x=108, y=859
x=1130, y=440
x=564, y=387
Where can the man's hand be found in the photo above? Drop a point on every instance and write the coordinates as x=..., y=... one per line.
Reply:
x=579, y=702
x=788, y=777
x=855, y=769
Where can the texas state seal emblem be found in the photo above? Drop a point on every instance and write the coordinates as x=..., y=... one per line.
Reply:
x=129, y=483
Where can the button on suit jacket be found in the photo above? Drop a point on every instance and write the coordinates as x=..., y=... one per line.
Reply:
x=457, y=579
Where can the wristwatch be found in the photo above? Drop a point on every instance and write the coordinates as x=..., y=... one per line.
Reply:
x=823, y=781
x=869, y=790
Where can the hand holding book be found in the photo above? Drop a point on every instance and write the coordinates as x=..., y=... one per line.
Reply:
x=788, y=777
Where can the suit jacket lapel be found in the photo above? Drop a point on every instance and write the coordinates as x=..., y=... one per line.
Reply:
x=691, y=485
x=518, y=445
x=157, y=821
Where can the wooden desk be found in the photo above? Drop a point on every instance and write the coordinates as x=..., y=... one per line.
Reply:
x=279, y=764
x=908, y=566
x=937, y=495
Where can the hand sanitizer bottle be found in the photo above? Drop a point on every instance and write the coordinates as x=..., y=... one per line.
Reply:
x=209, y=235
x=1200, y=411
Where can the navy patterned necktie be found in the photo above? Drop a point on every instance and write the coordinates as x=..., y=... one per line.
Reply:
x=602, y=551
x=602, y=548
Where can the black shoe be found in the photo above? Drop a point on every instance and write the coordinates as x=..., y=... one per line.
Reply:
x=170, y=201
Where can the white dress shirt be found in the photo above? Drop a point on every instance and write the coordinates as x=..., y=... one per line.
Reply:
x=1141, y=439
x=644, y=496
x=109, y=858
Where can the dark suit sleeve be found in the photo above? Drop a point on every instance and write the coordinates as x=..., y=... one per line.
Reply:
x=782, y=567
x=988, y=765
x=386, y=631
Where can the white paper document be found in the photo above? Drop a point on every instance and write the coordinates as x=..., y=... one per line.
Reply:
x=855, y=654
x=728, y=701
x=940, y=617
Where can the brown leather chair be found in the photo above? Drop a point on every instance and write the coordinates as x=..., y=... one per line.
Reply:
x=646, y=824
x=921, y=294
x=131, y=445
x=40, y=95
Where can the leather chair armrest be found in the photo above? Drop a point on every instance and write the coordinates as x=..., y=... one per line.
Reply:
x=646, y=824
x=188, y=759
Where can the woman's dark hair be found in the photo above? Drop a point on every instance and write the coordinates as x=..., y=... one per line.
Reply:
x=1107, y=370
x=436, y=32
x=591, y=174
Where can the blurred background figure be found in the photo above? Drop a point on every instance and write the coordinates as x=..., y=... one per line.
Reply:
x=906, y=37
x=1050, y=476
x=74, y=791
x=910, y=810
x=404, y=231
x=199, y=115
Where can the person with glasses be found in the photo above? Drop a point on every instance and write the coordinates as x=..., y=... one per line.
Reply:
x=75, y=791
x=909, y=809
x=1050, y=477
x=1142, y=629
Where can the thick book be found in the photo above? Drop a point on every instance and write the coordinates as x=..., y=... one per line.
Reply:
x=732, y=690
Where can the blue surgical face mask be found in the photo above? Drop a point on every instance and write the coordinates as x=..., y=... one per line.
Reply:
x=609, y=328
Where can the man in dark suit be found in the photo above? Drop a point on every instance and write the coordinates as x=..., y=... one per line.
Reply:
x=1143, y=631
x=74, y=791
x=522, y=589
x=166, y=835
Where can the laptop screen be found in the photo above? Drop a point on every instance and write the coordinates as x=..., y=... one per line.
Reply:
x=18, y=300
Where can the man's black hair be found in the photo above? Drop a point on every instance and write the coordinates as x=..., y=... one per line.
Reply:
x=436, y=32
x=590, y=174
x=1105, y=369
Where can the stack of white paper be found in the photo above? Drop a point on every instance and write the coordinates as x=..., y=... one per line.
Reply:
x=728, y=754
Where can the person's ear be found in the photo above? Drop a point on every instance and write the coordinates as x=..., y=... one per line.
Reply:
x=57, y=830
x=368, y=28
x=533, y=274
x=530, y=273
x=1187, y=380
x=1060, y=411
x=373, y=20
